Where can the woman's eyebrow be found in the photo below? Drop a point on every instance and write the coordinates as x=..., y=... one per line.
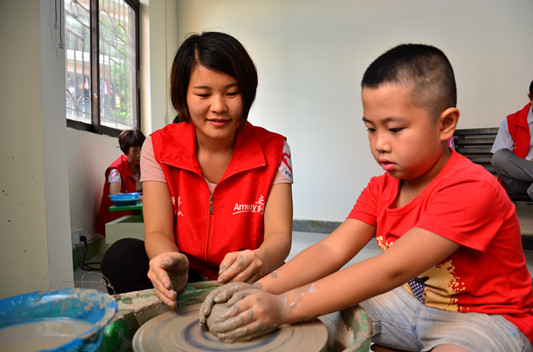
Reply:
x=231, y=85
x=201, y=87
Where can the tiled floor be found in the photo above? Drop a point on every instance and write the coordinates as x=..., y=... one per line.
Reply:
x=301, y=240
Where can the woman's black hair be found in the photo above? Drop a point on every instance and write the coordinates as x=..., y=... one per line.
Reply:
x=217, y=51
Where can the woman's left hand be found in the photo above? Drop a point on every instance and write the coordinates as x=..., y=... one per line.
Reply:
x=242, y=266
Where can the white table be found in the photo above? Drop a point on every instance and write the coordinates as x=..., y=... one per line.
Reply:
x=129, y=226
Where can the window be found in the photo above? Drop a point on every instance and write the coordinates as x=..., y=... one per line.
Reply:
x=102, y=61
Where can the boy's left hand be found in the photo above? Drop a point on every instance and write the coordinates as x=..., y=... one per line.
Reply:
x=251, y=313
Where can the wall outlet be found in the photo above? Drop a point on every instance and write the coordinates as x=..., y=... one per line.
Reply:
x=78, y=234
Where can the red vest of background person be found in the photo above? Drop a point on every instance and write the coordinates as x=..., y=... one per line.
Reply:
x=231, y=219
x=519, y=131
x=128, y=186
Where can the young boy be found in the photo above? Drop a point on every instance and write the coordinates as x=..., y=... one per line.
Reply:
x=452, y=275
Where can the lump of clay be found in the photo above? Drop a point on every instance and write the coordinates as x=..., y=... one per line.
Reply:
x=216, y=311
x=213, y=319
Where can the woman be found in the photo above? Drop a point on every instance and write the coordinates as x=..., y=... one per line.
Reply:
x=122, y=176
x=217, y=190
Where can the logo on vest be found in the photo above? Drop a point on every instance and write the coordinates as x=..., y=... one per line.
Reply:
x=257, y=207
x=177, y=212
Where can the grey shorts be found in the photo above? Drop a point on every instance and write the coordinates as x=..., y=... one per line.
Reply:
x=401, y=321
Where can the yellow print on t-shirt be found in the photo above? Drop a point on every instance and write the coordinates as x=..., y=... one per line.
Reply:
x=441, y=287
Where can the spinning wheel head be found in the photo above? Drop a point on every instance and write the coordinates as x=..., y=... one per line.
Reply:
x=180, y=331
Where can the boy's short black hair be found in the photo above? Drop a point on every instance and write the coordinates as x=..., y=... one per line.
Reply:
x=424, y=66
x=217, y=51
x=531, y=89
x=130, y=138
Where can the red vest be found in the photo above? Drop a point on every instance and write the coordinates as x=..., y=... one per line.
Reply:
x=231, y=219
x=127, y=186
x=519, y=130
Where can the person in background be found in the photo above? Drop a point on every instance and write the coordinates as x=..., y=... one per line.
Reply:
x=217, y=190
x=512, y=151
x=122, y=176
x=452, y=275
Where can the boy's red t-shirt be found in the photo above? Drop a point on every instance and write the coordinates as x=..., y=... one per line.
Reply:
x=465, y=204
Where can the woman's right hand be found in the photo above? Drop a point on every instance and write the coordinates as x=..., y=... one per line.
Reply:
x=169, y=273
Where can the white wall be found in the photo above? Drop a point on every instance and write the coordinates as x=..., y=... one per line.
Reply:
x=157, y=40
x=311, y=56
x=90, y=154
x=35, y=251
x=51, y=176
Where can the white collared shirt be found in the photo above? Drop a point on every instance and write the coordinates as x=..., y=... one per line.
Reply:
x=504, y=139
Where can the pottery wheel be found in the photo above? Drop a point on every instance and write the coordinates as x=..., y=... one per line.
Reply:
x=180, y=331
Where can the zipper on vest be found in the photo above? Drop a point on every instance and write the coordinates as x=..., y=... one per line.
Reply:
x=209, y=227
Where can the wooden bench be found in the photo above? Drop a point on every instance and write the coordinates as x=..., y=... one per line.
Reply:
x=475, y=144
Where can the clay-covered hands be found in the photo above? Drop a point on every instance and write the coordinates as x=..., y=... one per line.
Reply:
x=220, y=295
x=251, y=312
x=242, y=266
x=169, y=273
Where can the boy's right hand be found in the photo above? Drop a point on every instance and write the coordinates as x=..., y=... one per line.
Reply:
x=219, y=295
x=169, y=274
x=251, y=312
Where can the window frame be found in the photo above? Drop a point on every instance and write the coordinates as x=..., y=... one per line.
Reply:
x=95, y=126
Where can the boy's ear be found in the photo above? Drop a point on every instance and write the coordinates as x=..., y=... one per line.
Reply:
x=448, y=122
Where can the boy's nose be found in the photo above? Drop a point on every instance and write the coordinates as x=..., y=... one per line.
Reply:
x=381, y=144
